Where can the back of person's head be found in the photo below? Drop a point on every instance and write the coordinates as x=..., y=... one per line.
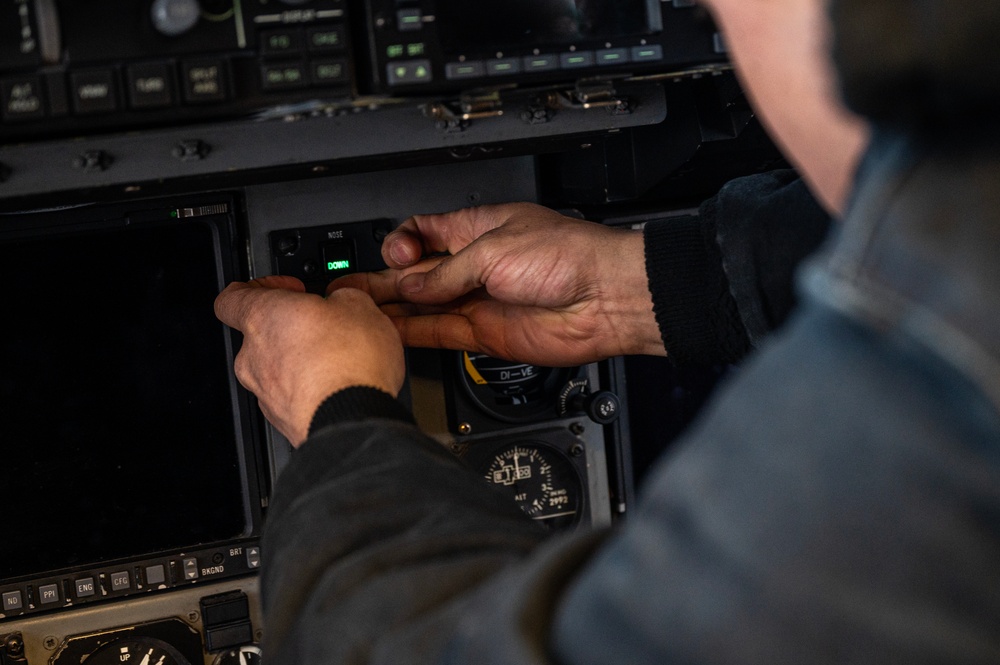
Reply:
x=927, y=66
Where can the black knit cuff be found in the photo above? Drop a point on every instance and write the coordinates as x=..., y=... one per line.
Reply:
x=695, y=311
x=358, y=403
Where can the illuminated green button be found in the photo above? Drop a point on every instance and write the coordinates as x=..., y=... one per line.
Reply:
x=409, y=71
x=576, y=59
x=503, y=66
x=409, y=19
x=338, y=258
x=325, y=38
x=280, y=41
x=540, y=63
x=280, y=77
x=415, y=49
x=464, y=70
x=325, y=72
x=651, y=52
x=394, y=50
x=612, y=56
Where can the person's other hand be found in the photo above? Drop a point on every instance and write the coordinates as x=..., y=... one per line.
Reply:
x=299, y=348
x=520, y=282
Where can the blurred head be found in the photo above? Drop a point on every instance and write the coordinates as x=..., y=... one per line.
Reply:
x=926, y=66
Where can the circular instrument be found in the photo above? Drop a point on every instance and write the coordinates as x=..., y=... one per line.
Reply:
x=137, y=651
x=541, y=479
x=511, y=391
x=245, y=655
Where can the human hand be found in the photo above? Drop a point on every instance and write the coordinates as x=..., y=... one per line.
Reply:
x=298, y=348
x=522, y=282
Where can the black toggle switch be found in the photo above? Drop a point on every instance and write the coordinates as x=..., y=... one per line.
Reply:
x=93, y=161
x=192, y=150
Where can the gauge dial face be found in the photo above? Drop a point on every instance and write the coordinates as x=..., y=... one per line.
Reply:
x=511, y=390
x=245, y=655
x=542, y=481
x=139, y=651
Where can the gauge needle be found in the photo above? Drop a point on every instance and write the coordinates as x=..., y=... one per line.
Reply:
x=145, y=659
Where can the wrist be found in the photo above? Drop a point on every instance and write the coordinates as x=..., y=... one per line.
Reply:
x=358, y=403
x=628, y=303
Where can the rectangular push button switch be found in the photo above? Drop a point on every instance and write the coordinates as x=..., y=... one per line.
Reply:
x=12, y=601
x=120, y=581
x=85, y=587
x=338, y=259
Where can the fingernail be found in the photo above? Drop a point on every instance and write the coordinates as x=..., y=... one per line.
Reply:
x=412, y=283
x=400, y=253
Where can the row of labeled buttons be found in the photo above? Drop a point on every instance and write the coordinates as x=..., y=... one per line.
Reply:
x=317, y=39
x=419, y=71
x=298, y=74
x=83, y=587
x=550, y=62
x=148, y=86
x=86, y=587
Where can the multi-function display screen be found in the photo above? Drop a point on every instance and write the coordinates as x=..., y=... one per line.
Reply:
x=117, y=427
x=523, y=23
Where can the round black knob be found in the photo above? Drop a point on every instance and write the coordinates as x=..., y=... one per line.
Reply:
x=287, y=245
x=175, y=17
x=603, y=407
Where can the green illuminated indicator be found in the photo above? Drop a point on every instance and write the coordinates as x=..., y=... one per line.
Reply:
x=422, y=72
x=280, y=42
x=647, y=53
x=612, y=56
x=539, y=63
x=401, y=72
x=503, y=66
x=289, y=75
x=394, y=51
x=332, y=71
x=415, y=49
x=575, y=60
x=338, y=265
x=411, y=19
x=325, y=39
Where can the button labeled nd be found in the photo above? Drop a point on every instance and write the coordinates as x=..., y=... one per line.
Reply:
x=12, y=601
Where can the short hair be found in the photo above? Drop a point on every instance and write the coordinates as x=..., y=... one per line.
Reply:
x=924, y=65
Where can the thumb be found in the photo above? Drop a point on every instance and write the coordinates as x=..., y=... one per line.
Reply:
x=286, y=282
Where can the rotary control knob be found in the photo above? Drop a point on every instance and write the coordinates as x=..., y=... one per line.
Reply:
x=175, y=17
x=602, y=406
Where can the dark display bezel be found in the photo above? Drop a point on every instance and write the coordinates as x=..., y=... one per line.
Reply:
x=183, y=562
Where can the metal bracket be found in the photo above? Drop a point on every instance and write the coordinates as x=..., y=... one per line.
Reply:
x=592, y=95
x=455, y=116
